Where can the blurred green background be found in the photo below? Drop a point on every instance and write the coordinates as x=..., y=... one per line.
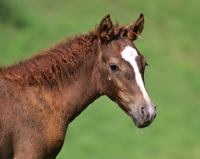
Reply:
x=170, y=43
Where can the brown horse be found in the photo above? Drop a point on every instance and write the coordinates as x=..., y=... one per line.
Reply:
x=40, y=96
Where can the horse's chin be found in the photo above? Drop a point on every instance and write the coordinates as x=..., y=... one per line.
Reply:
x=136, y=123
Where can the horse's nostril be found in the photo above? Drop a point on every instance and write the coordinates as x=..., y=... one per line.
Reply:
x=154, y=116
x=144, y=111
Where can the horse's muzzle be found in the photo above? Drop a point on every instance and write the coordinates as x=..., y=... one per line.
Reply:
x=144, y=117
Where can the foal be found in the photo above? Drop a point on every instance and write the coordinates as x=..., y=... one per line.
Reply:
x=40, y=96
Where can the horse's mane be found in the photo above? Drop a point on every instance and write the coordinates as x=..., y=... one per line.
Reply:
x=51, y=66
x=57, y=63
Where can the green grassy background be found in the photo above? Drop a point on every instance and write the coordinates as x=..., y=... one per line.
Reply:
x=170, y=43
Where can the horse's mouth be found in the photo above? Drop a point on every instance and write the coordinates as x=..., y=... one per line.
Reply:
x=142, y=123
x=136, y=123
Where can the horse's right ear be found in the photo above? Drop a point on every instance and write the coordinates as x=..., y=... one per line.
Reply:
x=105, y=29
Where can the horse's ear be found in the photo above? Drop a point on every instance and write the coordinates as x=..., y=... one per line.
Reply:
x=105, y=29
x=135, y=29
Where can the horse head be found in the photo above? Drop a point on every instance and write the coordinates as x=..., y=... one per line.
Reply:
x=122, y=69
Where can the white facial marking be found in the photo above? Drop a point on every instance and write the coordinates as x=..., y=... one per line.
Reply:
x=130, y=54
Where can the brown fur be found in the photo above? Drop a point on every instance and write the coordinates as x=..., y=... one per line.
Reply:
x=40, y=96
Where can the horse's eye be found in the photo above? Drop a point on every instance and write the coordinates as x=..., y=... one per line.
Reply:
x=114, y=67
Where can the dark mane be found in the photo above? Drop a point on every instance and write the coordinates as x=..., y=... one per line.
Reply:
x=51, y=66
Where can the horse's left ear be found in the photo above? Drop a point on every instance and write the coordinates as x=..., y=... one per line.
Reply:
x=105, y=29
x=136, y=28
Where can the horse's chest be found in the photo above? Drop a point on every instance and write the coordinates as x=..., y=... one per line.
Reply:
x=54, y=139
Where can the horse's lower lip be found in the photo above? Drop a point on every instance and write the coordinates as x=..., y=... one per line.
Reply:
x=138, y=125
x=135, y=122
x=134, y=119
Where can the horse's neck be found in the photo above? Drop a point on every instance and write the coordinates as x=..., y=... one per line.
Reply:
x=75, y=97
x=74, y=89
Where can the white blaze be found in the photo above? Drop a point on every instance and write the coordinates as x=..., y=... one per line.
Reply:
x=130, y=54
